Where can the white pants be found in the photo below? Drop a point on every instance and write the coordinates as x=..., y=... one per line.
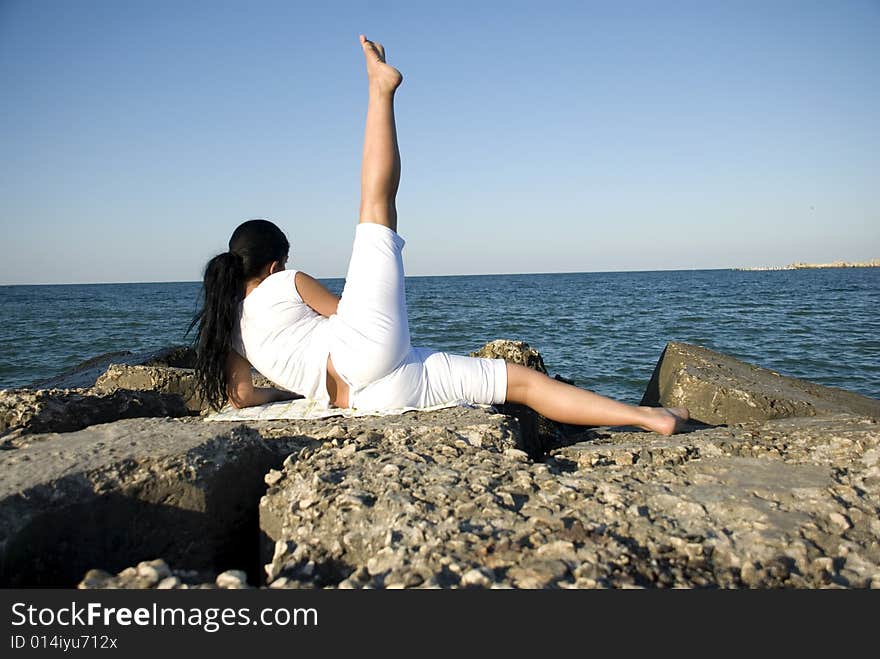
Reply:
x=370, y=342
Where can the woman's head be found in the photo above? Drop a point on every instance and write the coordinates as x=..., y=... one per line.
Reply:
x=254, y=247
x=257, y=244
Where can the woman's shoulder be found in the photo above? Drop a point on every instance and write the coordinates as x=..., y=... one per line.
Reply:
x=277, y=287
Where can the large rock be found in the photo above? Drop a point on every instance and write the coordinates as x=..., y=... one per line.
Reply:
x=718, y=389
x=170, y=380
x=785, y=502
x=114, y=494
x=23, y=411
x=85, y=374
x=179, y=382
x=396, y=506
x=779, y=503
x=446, y=498
x=539, y=434
x=517, y=352
x=116, y=385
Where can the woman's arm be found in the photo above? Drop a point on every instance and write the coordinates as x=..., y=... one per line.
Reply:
x=315, y=295
x=240, y=385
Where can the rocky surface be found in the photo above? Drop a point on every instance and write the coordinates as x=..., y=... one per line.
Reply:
x=458, y=498
x=781, y=503
x=182, y=489
x=179, y=382
x=110, y=387
x=159, y=575
x=25, y=411
x=786, y=502
x=85, y=374
x=719, y=389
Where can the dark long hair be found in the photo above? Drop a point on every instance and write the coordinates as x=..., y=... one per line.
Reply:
x=253, y=245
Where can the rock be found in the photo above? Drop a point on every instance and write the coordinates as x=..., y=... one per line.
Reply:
x=169, y=583
x=764, y=504
x=753, y=506
x=180, y=382
x=233, y=579
x=477, y=578
x=153, y=383
x=23, y=411
x=96, y=579
x=718, y=389
x=85, y=374
x=403, y=526
x=153, y=571
x=539, y=433
x=517, y=352
x=142, y=578
x=444, y=499
x=109, y=387
x=113, y=494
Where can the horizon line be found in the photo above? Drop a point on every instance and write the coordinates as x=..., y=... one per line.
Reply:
x=739, y=268
x=481, y=274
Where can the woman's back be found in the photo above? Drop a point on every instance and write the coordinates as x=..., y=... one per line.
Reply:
x=282, y=337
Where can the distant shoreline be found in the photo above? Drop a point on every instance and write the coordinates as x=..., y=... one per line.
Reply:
x=874, y=263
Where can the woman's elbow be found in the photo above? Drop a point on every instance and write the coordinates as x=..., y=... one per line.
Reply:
x=238, y=400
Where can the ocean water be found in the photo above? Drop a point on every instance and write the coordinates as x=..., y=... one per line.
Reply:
x=604, y=330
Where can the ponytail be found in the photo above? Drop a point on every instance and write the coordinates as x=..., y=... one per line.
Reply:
x=223, y=289
x=254, y=244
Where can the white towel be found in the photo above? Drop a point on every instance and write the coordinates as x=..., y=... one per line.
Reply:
x=305, y=408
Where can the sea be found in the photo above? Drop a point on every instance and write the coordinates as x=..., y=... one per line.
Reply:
x=604, y=330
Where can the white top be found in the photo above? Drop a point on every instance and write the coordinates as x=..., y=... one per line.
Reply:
x=283, y=337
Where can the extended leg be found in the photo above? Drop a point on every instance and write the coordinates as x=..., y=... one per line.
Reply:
x=370, y=327
x=380, y=172
x=568, y=404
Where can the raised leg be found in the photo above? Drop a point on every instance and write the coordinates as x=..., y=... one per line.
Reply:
x=370, y=327
x=568, y=404
x=380, y=171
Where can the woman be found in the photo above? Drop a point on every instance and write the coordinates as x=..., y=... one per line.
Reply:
x=354, y=350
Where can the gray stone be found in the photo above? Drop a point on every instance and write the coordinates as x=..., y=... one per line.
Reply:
x=23, y=411
x=232, y=579
x=140, y=578
x=539, y=433
x=477, y=578
x=400, y=527
x=113, y=494
x=718, y=389
x=117, y=385
x=153, y=571
x=180, y=382
x=447, y=499
x=517, y=352
x=751, y=506
x=168, y=583
x=85, y=374
x=759, y=505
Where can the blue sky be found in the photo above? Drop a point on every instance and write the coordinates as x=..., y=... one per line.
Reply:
x=536, y=137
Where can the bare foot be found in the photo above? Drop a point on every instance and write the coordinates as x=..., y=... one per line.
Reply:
x=383, y=77
x=665, y=420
